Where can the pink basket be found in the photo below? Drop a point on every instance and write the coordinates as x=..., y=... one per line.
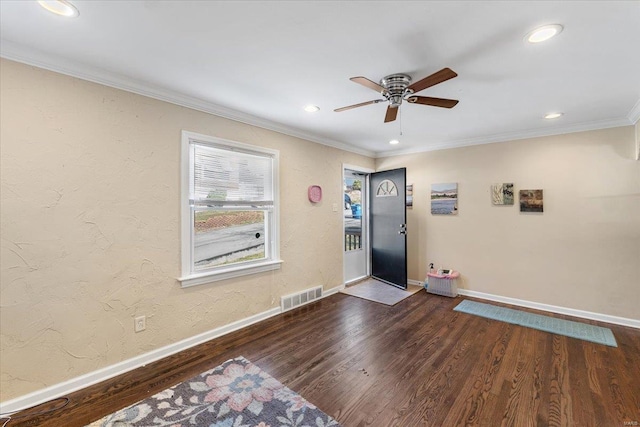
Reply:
x=443, y=284
x=453, y=275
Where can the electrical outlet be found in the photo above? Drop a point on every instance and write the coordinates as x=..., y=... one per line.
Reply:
x=140, y=323
x=335, y=207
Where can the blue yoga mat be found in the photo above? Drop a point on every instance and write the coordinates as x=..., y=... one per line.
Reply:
x=568, y=328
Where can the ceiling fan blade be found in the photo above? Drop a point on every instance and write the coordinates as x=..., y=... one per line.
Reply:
x=368, y=83
x=432, y=80
x=362, y=104
x=435, y=102
x=392, y=113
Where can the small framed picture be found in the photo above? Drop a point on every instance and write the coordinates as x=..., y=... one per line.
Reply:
x=502, y=194
x=531, y=201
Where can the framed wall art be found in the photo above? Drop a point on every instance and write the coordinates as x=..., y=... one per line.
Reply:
x=531, y=201
x=502, y=194
x=444, y=199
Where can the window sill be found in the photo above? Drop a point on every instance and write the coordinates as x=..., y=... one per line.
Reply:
x=227, y=273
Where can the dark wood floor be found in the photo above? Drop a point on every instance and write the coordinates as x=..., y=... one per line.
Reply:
x=417, y=363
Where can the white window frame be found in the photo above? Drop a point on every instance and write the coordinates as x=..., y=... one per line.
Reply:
x=191, y=278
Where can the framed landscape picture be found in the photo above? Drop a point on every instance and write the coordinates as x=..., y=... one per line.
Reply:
x=444, y=199
x=531, y=201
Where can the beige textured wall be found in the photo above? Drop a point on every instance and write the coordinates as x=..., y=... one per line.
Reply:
x=90, y=227
x=583, y=252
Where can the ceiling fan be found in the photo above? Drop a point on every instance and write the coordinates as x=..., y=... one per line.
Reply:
x=396, y=88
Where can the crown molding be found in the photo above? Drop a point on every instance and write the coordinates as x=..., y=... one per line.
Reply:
x=512, y=136
x=36, y=58
x=634, y=114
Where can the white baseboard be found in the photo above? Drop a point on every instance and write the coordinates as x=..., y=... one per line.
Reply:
x=103, y=374
x=414, y=282
x=332, y=291
x=77, y=383
x=352, y=281
x=632, y=323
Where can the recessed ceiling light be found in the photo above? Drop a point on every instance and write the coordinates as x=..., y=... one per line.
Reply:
x=394, y=142
x=543, y=33
x=60, y=7
x=553, y=115
x=311, y=108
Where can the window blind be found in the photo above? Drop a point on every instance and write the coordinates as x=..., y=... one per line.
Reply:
x=231, y=177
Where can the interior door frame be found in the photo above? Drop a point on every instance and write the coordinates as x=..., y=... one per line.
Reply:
x=365, y=220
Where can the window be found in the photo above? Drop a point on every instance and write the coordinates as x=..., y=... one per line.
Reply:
x=229, y=209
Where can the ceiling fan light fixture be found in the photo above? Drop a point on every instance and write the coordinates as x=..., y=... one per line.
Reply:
x=395, y=100
x=311, y=108
x=60, y=7
x=543, y=33
x=551, y=116
x=394, y=142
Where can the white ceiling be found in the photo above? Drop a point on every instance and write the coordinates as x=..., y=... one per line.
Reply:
x=260, y=62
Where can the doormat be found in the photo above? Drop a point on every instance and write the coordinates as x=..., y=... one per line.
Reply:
x=236, y=393
x=377, y=291
x=568, y=328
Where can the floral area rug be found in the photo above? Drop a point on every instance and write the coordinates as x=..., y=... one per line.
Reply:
x=234, y=394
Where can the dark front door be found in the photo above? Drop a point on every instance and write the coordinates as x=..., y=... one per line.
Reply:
x=388, y=227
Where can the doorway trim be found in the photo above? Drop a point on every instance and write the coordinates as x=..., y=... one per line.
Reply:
x=365, y=220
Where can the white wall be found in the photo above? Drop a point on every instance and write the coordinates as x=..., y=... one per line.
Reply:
x=583, y=252
x=90, y=227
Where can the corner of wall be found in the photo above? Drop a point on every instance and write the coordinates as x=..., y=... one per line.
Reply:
x=637, y=139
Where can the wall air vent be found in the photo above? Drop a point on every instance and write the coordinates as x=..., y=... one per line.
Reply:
x=288, y=302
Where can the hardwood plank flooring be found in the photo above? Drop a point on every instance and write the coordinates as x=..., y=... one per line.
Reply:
x=418, y=363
